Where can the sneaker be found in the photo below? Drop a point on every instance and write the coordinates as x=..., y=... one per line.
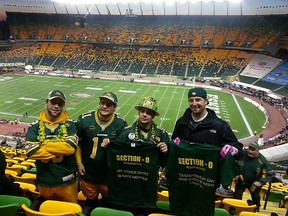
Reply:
x=224, y=191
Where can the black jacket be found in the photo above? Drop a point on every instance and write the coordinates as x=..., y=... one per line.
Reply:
x=212, y=130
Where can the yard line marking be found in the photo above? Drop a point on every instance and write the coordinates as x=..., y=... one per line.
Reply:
x=166, y=110
x=179, y=107
x=243, y=116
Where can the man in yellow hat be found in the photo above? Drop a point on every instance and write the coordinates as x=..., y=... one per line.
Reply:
x=144, y=128
x=142, y=144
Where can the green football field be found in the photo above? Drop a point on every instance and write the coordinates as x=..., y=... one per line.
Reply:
x=27, y=93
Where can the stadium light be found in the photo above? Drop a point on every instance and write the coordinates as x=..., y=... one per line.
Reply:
x=136, y=1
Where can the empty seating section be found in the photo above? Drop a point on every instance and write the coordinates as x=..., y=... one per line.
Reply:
x=139, y=61
x=165, y=63
x=170, y=31
x=219, y=36
x=197, y=60
x=213, y=62
x=178, y=46
x=180, y=63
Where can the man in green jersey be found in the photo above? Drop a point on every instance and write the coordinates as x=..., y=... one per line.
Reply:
x=255, y=172
x=145, y=132
x=144, y=128
x=96, y=130
x=52, y=142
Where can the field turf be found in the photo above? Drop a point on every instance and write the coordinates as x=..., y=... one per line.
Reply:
x=27, y=93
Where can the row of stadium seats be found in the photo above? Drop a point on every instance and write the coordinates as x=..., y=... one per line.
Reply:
x=236, y=30
x=177, y=62
x=23, y=172
x=14, y=205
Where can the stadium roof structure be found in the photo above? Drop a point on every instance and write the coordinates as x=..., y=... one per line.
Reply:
x=134, y=8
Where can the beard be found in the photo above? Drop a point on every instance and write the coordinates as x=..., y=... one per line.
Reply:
x=54, y=114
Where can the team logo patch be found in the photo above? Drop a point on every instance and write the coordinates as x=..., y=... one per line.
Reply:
x=81, y=95
x=92, y=128
x=157, y=139
x=131, y=136
x=213, y=131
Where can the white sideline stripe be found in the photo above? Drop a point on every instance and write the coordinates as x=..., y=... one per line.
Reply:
x=243, y=116
x=14, y=114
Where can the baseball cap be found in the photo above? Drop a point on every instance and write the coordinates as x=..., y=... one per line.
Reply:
x=254, y=145
x=110, y=96
x=150, y=103
x=197, y=92
x=56, y=94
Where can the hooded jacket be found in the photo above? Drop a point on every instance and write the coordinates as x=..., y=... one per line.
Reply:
x=211, y=130
x=52, y=145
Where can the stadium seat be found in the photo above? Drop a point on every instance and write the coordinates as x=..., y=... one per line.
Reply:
x=221, y=212
x=101, y=211
x=10, y=173
x=19, y=159
x=163, y=206
x=9, y=154
x=56, y=210
x=9, y=205
x=26, y=178
x=163, y=195
x=236, y=206
x=17, y=168
x=159, y=214
x=26, y=186
x=218, y=203
x=53, y=206
x=11, y=161
x=28, y=164
x=32, y=170
x=245, y=213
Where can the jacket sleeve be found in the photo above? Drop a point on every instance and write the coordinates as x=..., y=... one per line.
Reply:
x=35, y=149
x=266, y=171
x=175, y=131
x=66, y=147
x=78, y=155
x=50, y=149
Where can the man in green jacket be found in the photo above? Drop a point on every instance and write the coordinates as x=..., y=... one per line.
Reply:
x=96, y=129
x=256, y=171
x=143, y=139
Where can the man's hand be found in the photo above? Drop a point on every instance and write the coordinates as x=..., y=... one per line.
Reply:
x=163, y=147
x=105, y=142
x=228, y=148
x=255, y=185
x=81, y=169
x=236, y=178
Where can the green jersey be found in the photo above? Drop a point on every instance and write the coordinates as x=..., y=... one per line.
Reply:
x=46, y=140
x=154, y=135
x=133, y=174
x=91, y=132
x=255, y=169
